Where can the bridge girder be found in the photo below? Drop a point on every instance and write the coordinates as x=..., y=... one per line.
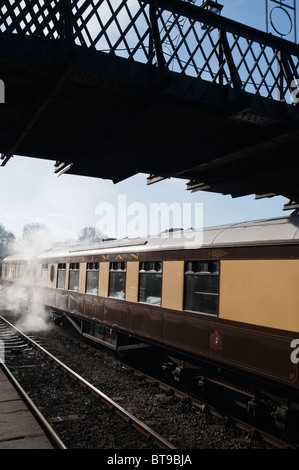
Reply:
x=209, y=101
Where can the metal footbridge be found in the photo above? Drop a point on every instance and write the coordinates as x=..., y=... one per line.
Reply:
x=112, y=88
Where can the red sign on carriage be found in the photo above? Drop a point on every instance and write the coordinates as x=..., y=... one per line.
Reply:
x=216, y=341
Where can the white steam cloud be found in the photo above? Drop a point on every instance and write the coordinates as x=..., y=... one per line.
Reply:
x=22, y=298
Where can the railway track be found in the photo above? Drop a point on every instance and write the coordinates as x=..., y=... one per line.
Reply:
x=15, y=341
x=224, y=416
x=214, y=429
x=249, y=429
x=170, y=390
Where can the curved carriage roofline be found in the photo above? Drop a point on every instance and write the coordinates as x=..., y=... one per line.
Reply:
x=275, y=231
x=282, y=230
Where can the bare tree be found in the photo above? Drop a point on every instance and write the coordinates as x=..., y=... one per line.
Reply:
x=90, y=235
x=7, y=240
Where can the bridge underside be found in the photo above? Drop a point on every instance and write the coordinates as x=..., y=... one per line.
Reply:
x=98, y=115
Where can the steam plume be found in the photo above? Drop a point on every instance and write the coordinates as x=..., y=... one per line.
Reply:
x=22, y=298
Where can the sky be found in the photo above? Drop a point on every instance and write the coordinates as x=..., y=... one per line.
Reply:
x=30, y=192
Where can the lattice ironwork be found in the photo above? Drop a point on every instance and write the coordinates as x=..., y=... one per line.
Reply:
x=176, y=36
x=120, y=27
x=38, y=17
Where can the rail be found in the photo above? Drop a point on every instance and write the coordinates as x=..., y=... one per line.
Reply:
x=56, y=441
x=128, y=417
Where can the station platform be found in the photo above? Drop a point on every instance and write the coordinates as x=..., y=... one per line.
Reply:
x=19, y=427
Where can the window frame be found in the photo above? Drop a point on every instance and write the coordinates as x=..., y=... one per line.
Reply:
x=44, y=270
x=92, y=267
x=117, y=268
x=74, y=268
x=148, y=269
x=211, y=273
x=61, y=269
x=12, y=272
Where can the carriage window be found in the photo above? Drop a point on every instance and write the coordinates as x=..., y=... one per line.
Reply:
x=61, y=276
x=201, y=292
x=12, y=272
x=117, y=280
x=92, y=278
x=44, y=273
x=74, y=277
x=150, y=282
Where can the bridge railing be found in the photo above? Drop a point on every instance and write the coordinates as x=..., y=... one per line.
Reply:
x=174, y=35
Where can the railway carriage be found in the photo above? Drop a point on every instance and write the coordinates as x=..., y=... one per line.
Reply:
x=224, y=307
